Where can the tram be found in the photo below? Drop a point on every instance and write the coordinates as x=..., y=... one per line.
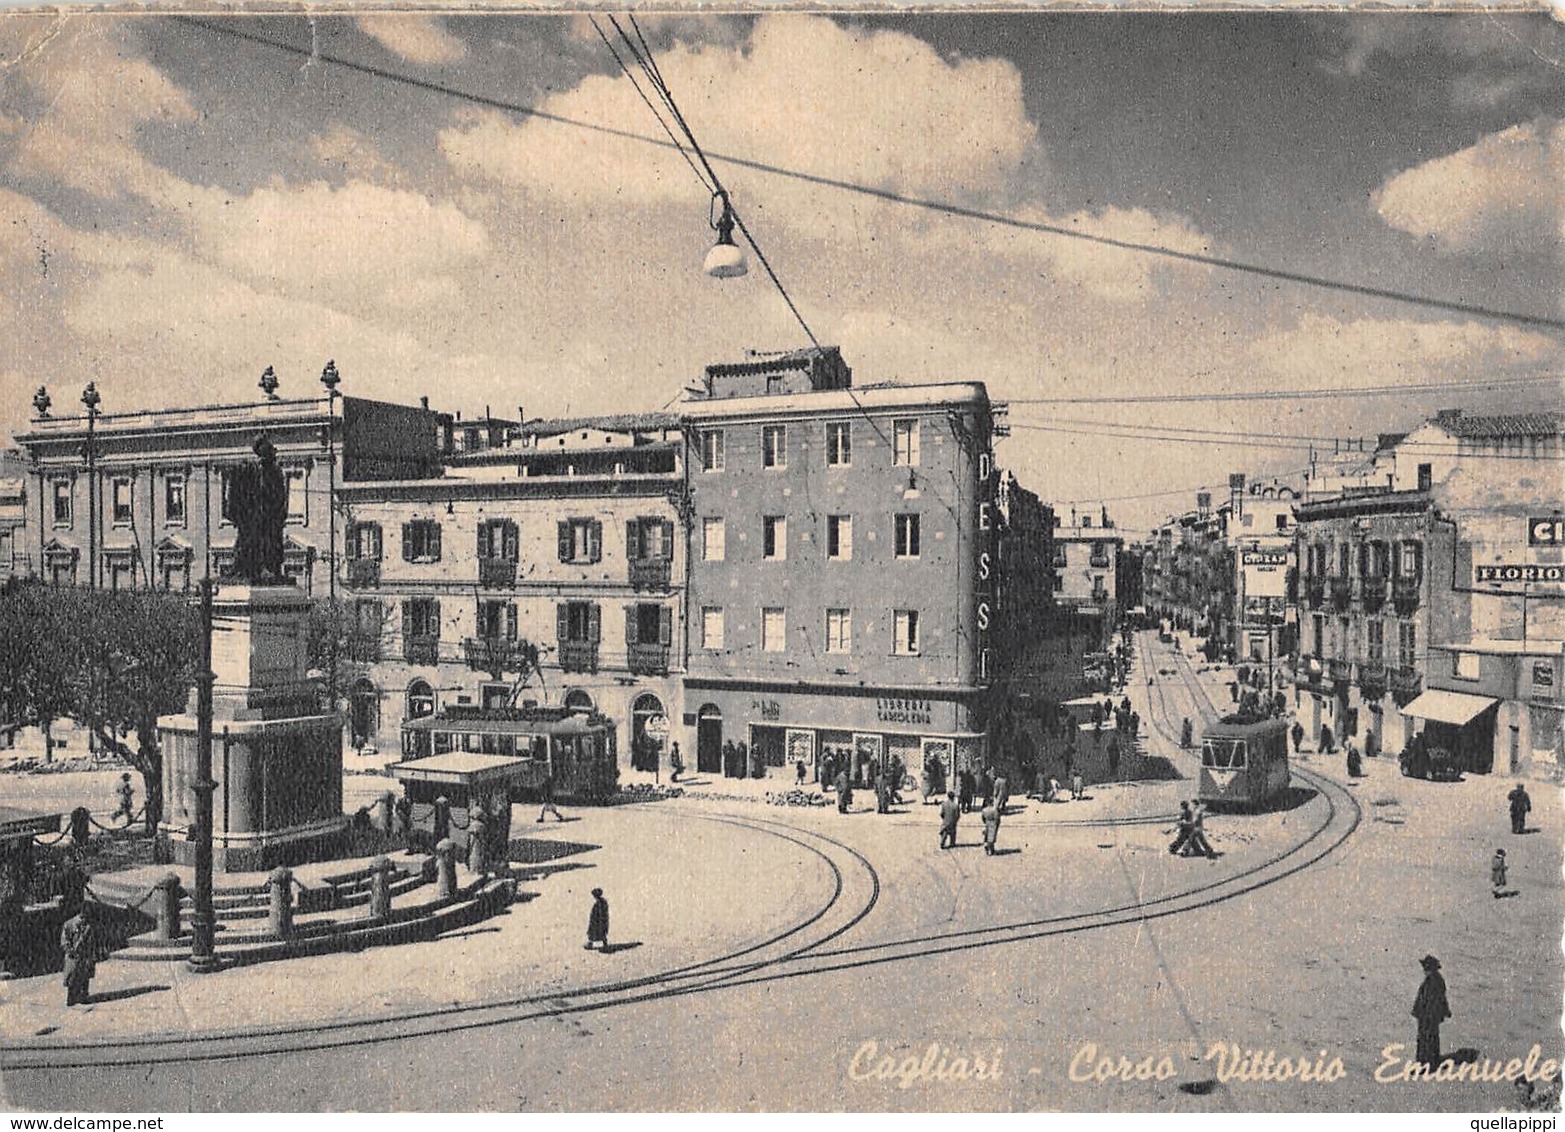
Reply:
x=575, y=751
x=1244, y=761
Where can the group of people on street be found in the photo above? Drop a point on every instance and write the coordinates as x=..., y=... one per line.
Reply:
x=951, y=813
x=1191, y=837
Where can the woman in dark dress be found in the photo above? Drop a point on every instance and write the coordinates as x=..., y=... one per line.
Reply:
x=598, y=921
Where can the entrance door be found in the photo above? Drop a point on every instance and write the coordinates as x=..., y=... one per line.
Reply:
x=363, y=712
x=709, y=740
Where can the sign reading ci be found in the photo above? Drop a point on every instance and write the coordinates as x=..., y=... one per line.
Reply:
x=1549, y=531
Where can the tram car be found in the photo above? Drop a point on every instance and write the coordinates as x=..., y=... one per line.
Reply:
x=574, y=751
x=1244, y=762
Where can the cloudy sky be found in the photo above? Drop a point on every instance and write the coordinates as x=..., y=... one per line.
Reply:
x=181, y=207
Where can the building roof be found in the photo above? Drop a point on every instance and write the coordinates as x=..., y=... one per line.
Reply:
x=614, y=422
x=1459, y=424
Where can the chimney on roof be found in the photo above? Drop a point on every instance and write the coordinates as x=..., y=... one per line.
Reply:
x=423, y=403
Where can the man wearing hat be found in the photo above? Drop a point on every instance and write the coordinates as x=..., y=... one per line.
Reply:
x=598, y=921
x=1431, y=1009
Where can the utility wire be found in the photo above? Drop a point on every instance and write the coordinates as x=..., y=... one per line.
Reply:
x=946, y=208
x=1297, y=394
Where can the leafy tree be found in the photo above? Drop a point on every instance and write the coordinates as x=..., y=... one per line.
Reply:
x=114, y=662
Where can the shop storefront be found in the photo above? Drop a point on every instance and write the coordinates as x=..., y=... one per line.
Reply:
x=859, y=730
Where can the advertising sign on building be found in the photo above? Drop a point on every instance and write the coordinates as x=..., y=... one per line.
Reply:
x=1499, y=573
x=1265, y=573
x=1548, y=530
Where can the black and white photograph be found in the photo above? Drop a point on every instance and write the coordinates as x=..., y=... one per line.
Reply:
x=839, y=560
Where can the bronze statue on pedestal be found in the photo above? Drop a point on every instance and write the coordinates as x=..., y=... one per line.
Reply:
x=257, y=504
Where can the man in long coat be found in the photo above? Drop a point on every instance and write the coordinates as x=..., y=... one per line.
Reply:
x=598, y=921
x=1431, y=1009
x=950, y=814
x=844, y=791
x=1521, y=805
x=991, y=816
x=79, y=941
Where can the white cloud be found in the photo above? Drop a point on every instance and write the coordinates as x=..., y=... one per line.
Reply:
x=1395, y=351
x=418, y=39
x=1499, y=196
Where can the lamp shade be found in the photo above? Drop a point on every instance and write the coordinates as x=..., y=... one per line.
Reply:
x=726, y=260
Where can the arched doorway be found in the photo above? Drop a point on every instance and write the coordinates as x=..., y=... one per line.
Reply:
x=363, y=712
x=578, y=700
x=646, y=751
x=421, y=699
x=709, y=739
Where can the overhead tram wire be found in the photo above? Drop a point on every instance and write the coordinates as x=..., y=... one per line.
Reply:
x=1323, y=392
x=1261, y=270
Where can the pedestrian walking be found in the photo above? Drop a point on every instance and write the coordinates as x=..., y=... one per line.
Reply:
x=598, y=921
x=1078, y=787
x=1431, y=1009
x=1327, y=746
x=985, y=787
x=1521, y=806
x=1497, y=873
x=950, y=814
x=1198, y=841
x=991, y=819
x=883, y=794
x=79, y=942
x=546, y=796
x=965, y=790
x=127, y=796
x=1185, y=828
x=844, y=791
x=1298, y=735
x=798, y=774
x=1052, y=794
x=1002, y=792
x=1355, y=763
x=676, y=763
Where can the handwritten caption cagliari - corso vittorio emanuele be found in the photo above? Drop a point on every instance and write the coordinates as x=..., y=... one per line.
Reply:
x=910, y=1064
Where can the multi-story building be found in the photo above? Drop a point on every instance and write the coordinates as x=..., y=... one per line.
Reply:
x=841, y=581
x=548, y=565
x=13, y=513
x=1374, y=594
x=134, y=500
x=1086, y=560
x=1261, y=538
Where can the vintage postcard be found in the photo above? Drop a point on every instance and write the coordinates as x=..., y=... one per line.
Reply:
x=830, y=560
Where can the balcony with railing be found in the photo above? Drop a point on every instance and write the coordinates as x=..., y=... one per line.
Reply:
x=421, y=649
x=1315, y=590
x=490, y=654
x=649, y=573
x=363, y=648
x=1405, y=592
x=1405, y=682
x=496, y=573
x=578, y=656
x=1341, y=588
x=1372, y=677
x=1372, y=591
x=1339, y=669
x=363, y=573
x=648, y=660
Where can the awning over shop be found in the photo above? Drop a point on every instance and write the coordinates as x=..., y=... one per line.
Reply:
x=1448, y=707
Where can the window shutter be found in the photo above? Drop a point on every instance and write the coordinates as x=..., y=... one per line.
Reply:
x=562, y=621
x=563, y=533
x=594, y=623
x=434, y=617
x=434, y=541
x=595, y=543
x=510, y=622
x=374, y=533
x=630, y=626
x=510, y=548
x=633, y=540
x=407, y=620
x=668, y=539
x=665, y=626
x=407, y=542
x=483, y=540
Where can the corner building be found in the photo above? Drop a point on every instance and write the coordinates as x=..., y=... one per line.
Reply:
x=841, y=568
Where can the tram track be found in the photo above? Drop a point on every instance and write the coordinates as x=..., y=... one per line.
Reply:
x=801, y=950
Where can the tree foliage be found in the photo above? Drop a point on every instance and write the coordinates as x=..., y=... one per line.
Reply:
x=112, y=661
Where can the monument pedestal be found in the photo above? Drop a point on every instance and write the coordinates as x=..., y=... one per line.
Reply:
x=276, y=759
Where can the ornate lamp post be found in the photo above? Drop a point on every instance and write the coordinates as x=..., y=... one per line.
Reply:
x=91, y=399
x=203, y=918
x=330, y=378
